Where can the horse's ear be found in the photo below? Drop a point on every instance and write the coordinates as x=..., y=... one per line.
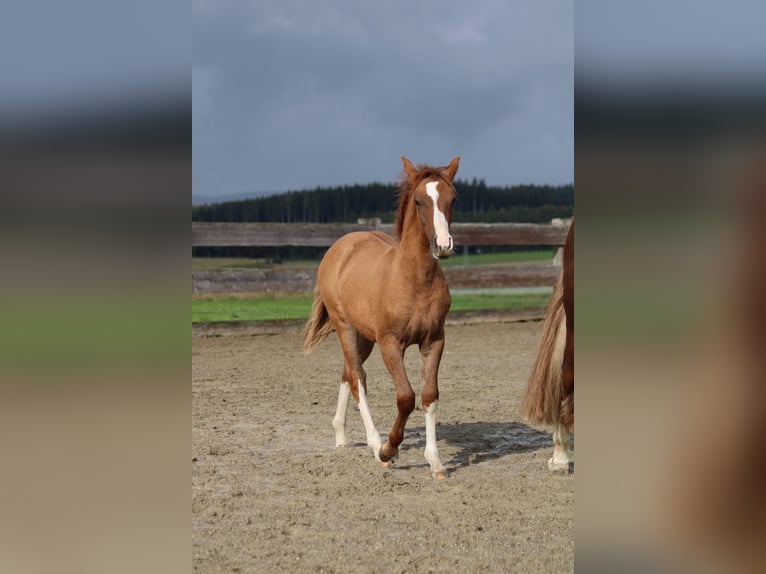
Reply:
x=409, y=169
x=451, y=170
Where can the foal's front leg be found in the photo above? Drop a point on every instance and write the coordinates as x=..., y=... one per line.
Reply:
x=393, y=357
x=430, y=355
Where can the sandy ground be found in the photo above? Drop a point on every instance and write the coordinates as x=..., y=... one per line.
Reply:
x=270, y=493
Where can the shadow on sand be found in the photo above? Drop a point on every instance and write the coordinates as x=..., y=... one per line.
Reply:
x=481, y=441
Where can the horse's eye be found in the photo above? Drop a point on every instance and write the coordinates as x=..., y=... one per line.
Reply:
x=418, y=202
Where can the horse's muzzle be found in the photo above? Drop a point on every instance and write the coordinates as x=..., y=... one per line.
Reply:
x=440, y=251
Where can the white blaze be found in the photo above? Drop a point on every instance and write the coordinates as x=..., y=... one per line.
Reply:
x=441, y=227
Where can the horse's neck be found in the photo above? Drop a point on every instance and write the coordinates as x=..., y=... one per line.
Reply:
x=415, y=256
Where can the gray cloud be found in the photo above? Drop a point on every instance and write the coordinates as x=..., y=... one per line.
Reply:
x=299, y=94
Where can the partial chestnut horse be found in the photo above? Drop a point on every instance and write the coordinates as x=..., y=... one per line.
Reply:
x=374, y=288
x=549, y=397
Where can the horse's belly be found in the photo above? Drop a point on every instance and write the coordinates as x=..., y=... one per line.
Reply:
x=350, y=278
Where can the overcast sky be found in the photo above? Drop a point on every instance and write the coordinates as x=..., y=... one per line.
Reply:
x=295, y=94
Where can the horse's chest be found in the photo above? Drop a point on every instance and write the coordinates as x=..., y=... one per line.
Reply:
x=424, y=318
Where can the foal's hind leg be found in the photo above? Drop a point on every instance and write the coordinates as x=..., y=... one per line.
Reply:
x=561, y=460
x=356, y=349
x=364, y=347
x=339, y=421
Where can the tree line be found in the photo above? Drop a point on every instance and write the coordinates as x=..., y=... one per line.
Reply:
x=477, y=202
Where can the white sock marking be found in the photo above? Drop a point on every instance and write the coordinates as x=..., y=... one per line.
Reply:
x=373, y=437
x=339, y=422
x=561, y=453
x=432, y=453
x=441, y=227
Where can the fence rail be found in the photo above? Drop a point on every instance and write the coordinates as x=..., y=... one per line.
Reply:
x=323, y=235
x=273, y=280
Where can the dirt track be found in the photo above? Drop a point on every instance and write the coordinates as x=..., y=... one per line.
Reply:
x=271, y=494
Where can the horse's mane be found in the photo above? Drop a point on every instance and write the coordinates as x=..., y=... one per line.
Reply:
x=406, y=185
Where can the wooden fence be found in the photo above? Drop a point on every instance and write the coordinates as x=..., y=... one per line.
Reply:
x=534, y=274
x=325, y=234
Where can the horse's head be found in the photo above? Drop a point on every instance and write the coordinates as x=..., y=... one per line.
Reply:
x=432, y=196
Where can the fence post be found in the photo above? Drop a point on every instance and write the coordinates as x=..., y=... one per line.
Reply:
x=558, y=257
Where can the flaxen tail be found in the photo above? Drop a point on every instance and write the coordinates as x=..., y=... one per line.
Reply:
x=542, y=402
x=318, y=327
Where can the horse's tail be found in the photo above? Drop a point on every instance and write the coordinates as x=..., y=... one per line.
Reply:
x=318, y=327
x=543, y=401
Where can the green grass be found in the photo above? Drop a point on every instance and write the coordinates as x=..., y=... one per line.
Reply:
x=268, y=306
x=254, y=307
x=460, y=260
x=487, y=301
x=457, y=260
x=213, y=263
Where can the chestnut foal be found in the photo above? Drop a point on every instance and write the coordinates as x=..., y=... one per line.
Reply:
x=375, y=288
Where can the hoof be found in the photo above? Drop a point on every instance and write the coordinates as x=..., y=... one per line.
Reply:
x=560, y=468
x=385, y=464
x=341, y=445
x=387, y=458
x=439, y=474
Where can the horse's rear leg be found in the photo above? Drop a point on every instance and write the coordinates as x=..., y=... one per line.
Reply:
x=356, y=349
x=561, y=461
x=339, y=421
